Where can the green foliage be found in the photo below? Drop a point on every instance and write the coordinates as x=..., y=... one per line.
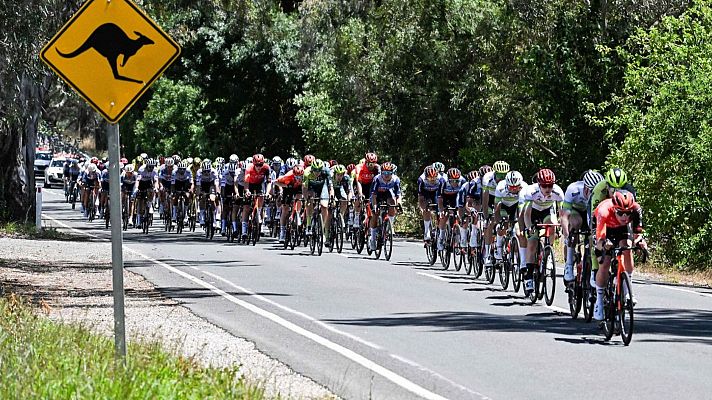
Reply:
x=47, y=360
x=666, y=118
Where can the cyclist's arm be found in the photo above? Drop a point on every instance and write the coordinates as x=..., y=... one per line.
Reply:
x=528, y=214
x=485, y=202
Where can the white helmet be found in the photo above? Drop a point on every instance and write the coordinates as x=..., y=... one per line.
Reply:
x=234, y=159
x=144, y=156
x=276, y=160
x=248, y=160
x=169, y=162
x=91, y=167
x=591, y=178
x=513, y=178
x=291, y=162
x=129, y=168
x=189, y=160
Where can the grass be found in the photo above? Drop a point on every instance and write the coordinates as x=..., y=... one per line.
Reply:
x=29, y=231
x=41, y=359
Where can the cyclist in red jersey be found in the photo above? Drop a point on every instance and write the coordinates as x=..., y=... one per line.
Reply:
x=614, y=216
x=364, y=179
x=292, y=184
x=256, y=175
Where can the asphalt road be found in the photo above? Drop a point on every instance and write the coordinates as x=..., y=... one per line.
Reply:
x=405, y=330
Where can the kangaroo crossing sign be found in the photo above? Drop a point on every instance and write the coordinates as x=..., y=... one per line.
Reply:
x=110, y=52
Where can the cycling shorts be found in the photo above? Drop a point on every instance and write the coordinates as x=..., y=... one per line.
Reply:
x=206, y=186
x=449, y=201
x=366, y=189
x=144, y=185
x=105, y=186
x=257, y=188
x=430, y=197
x=319, y=189
x=181, y=186
x=509, y=211
x=288, y=194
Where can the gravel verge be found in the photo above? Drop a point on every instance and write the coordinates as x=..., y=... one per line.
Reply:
x=71, y=292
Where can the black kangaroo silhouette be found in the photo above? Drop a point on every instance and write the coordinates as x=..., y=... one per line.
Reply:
x=111, y=42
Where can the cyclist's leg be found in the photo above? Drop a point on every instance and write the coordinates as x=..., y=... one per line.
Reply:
x=324, y=203
x=574, y=224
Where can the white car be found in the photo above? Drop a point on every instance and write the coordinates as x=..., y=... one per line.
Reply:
x=54, y=173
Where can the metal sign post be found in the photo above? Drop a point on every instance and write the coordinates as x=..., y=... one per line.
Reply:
x=117, y=258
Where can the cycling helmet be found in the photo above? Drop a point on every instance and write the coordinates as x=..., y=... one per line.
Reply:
x=308, y=160
x=207, y=165
x=176, y=158
x=317, y=164
x=371, y=158
x=623, y=201
x=395, y=168
x=591, y=178
x=291, y=162
x=232, y=167
x=100, y=166
x=91, y=168
x=333, y=163
x=616, y=178
x=82, y=159
x=339, y=169
x=169, y=162
x=151, y=162
x=234, y=159
x=139, y=160
x=189, y=160
x=546, y=177
x=298, y=170
x=473, y=175
x=197, y=161
x=440, y=167
x=350, y=168
x=143, y=156
x=277, y=160
x=129, y=168
x=431, y=172
x=484, y=170
x=75, y=161
x=161, y=160
x=220, y=160
x=453, y=174
x=124, y=160
x=388, y=167
x=94, y=160
x=514, y=178
x=258, y=159
x=501, y=167
x=248, y=160
x=183, y=165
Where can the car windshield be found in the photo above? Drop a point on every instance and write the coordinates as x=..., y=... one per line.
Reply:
x=43, y=156
x=58, y=163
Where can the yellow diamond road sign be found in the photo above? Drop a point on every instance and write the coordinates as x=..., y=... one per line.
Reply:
x=110, y=52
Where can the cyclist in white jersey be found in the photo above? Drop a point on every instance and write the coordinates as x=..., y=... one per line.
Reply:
x=507, y=206
x=489, y=186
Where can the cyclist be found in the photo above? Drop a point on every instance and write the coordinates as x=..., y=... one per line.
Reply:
x=429, y=185
x=489, y=186
x=447, y=198
x=104, y=193
x=206, y=181
x=507, y=200
x=613, y=218
x=182, y=182
x=615, y=180
x=365, y=173
x=90, y=183
x=257, y=174
x=386, y=189
x=541, y=200
x=72, y=173
x=318, y=183
x=128, y=180
x=147, y=181
x=574, y=215
x=288, y=166
x=343, y=187
x=227, y=194
x=165, y=178
x=276, y=166
x=291, y=184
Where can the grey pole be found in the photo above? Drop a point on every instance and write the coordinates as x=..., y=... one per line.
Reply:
x=117, y=260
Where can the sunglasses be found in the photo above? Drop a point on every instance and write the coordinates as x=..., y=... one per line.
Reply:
x=623, y=213
x=514, y=188
x=387, y=173
x=547, y=186
x=454, y=181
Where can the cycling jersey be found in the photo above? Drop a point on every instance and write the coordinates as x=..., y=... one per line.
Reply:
x=166, y=173
x=365, y=174
x=290, y=180
x=283, y=170
x=318, y=177
x=506, y=196
x=207, y=176
x=228, y=179
x=343, y=187
x=606, y=218
x=73, y=173
x=257, y=175
x=104, y=175
x=474, y=189
x=539, y=202
x=90, y=178
x=146, y=175
x=183, y=176
x=575, y=198
x=424, y=185
x=489, y=183
x=600, y=193
x=128, y=179
x=381, y=188
x=448, y=189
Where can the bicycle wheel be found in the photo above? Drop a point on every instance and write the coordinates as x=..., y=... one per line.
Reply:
x=388, y=239
x=589, y=293
x=456, y=259
x=360, y=239
x=379, y=242
x=339, y=233
x=107, y=215
x=609, y=309
x=312, y=242
x=534, y=295
x=515, y=263
x=549, y=277
x=468, y=257
x=332, y=235
x=625, y=309
x=145, y=223
x=319, y=236
x=575, y=293
x=256, y=231
x=504, y=269
x=446, y=251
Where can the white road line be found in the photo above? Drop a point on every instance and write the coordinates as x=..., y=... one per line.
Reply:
x=435, y=374
x=440, y=278
x=350, y=354
x=285, y=308
x=682, y=290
